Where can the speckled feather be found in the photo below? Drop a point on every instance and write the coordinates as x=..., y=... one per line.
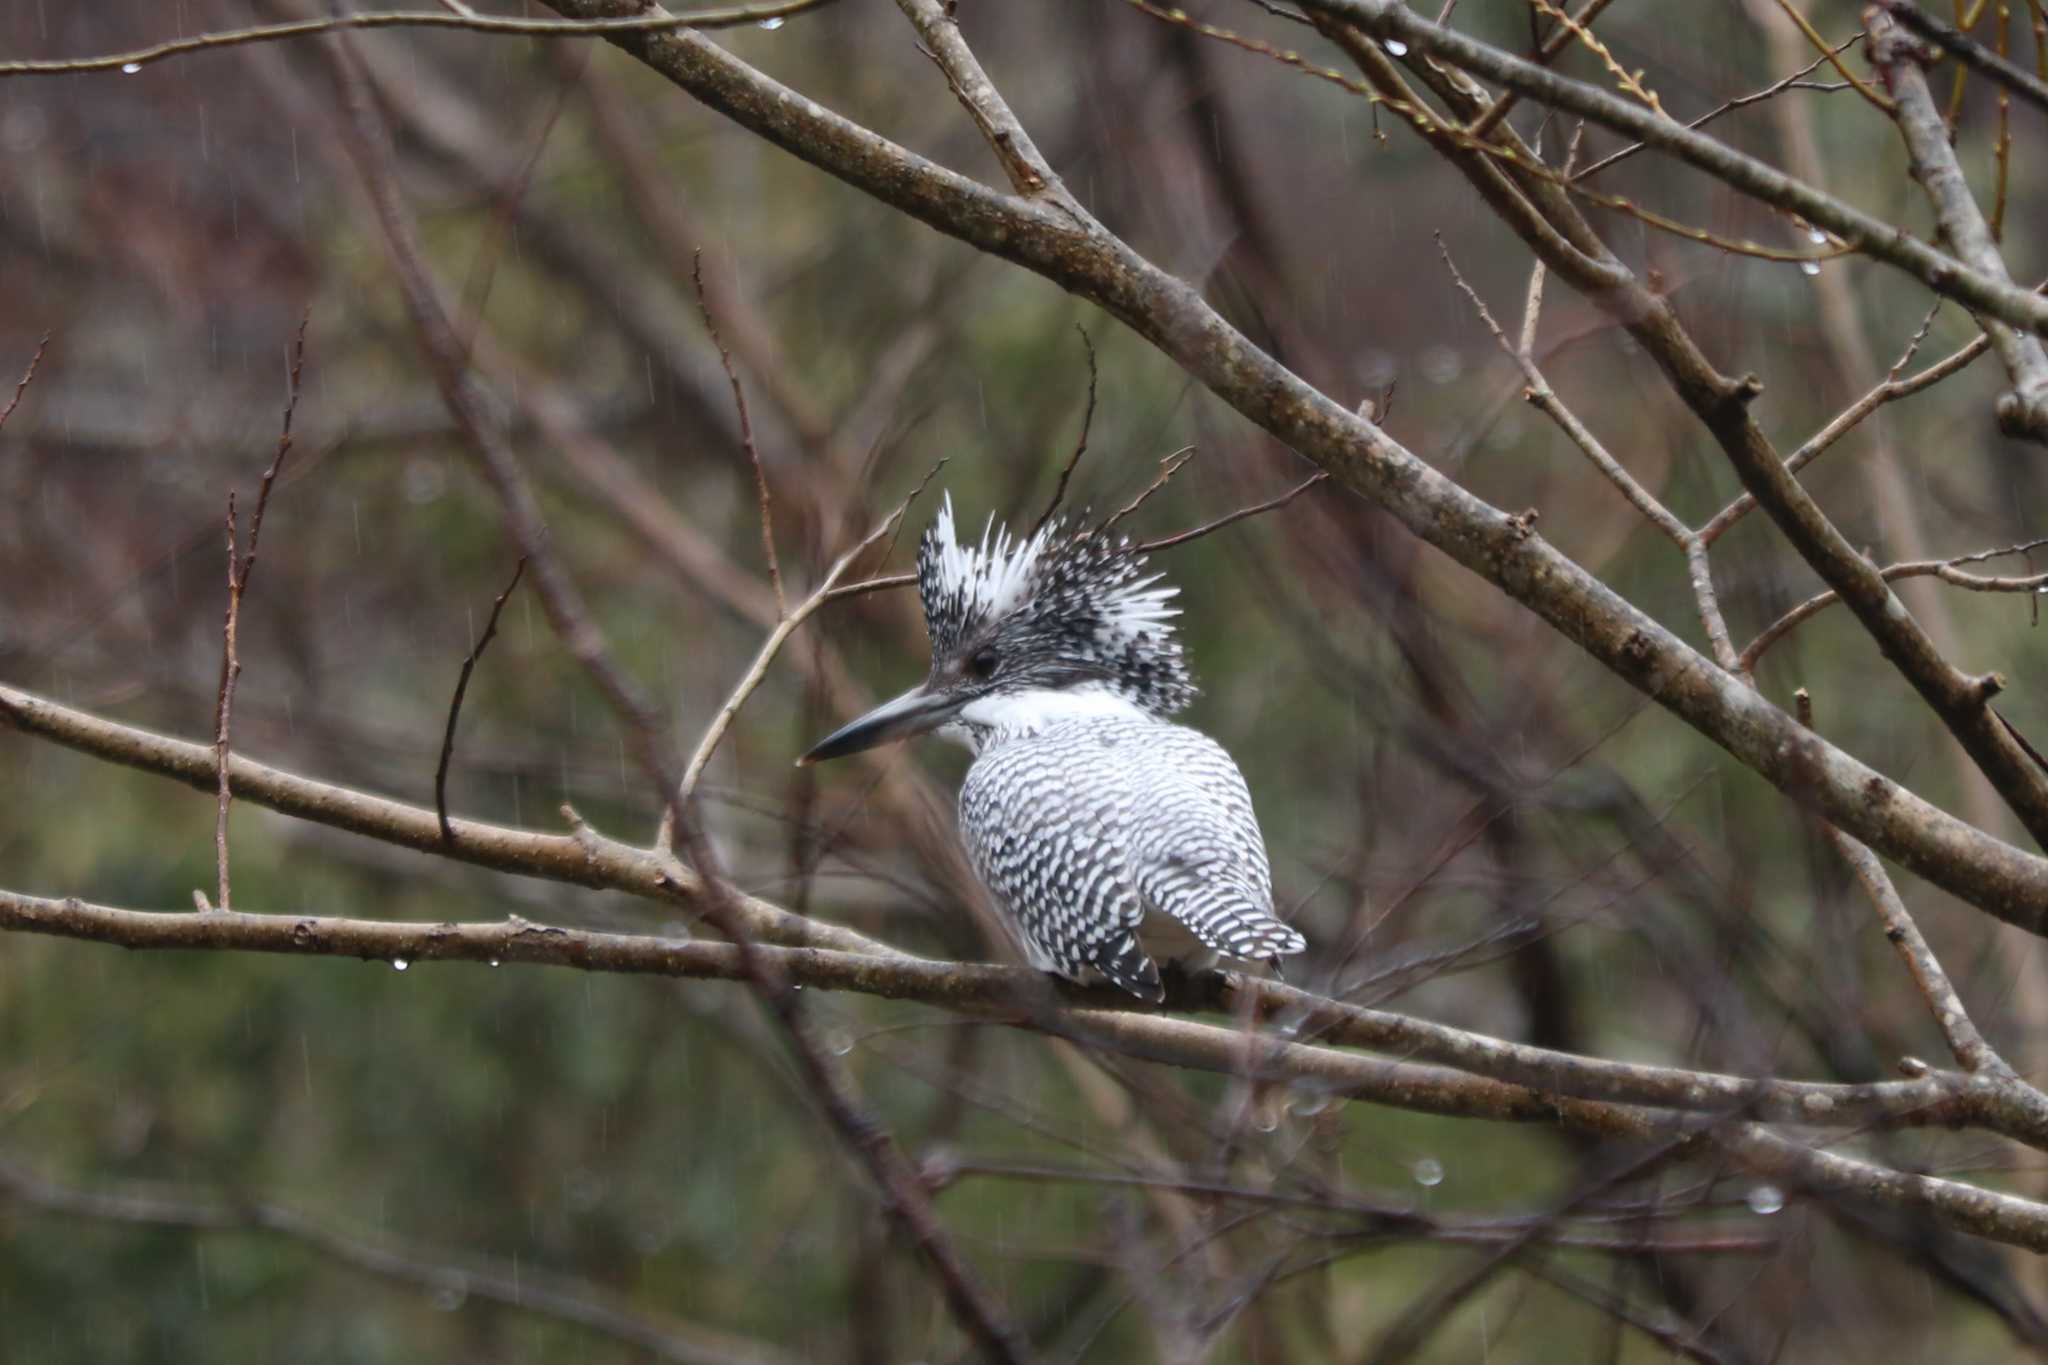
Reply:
x=1082, y=827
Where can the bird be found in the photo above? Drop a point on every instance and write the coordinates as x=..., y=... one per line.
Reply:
x=1111, y=835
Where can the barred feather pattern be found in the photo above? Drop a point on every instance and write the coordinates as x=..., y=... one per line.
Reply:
x=1085, y=826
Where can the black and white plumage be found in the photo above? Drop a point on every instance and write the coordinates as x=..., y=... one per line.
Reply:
x=1109, y=833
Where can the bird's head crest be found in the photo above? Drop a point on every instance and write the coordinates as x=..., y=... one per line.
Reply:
x=1059, y=608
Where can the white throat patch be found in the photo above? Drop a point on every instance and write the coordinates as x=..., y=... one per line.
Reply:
x=1007, y=716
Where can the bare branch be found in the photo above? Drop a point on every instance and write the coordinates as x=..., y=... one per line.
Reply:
x=739, y=402
x=720, y=723
x=1059, y=490
x=1968, y=51
x=1269, y=505
x=1795, y=81
x=238, y=583
x=1833, y=57
x=27, y=377
x=1106, y=1019
x=1029, y=173
x=1378, y=1218
x=1171, y=465
x=2023, y=411
x=587, y=858
x=1946, y=570
x=1887, y=390
x=1626, y=79
x=476, y=651
x=1541, y=396
x=728, y=16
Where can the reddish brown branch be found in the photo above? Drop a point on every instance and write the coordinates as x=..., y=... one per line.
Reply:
x=739, y=402
x=1059, y=491
x=1207, y=528
x=238, y=583
x=476, y=651
x=1168, y=467
x=27, y=376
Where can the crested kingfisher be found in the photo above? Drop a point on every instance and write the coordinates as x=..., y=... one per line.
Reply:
x=1110, y=834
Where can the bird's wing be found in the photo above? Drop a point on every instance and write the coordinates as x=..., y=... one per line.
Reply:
x=1199, y=855
x=1048, y=825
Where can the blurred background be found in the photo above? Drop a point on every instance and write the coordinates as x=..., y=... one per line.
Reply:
x=1468, y=818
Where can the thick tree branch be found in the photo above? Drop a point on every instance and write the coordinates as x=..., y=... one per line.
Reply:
x=1020, y=996
x=584, y=858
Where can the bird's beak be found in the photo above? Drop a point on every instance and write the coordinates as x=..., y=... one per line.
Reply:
x=913, y=713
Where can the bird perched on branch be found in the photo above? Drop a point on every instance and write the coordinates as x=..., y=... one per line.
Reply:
x=1110, y=834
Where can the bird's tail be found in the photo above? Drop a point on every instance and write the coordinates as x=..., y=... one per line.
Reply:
x=1225, y=918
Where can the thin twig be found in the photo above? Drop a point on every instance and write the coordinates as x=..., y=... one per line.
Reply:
x=756, y=671
x=239, y=568
x=888, y=582
x=728, y=16
x=1543, y=397
x=476, y=651
x=1380, y=1218
x=1532, y=303
x=739, y=402
x=1269, y=505
x=1080, y=446
x=1833, y=58
x=27, y=376
x=1889, y=389
x=1946, y=570
x=1796, y=81
x=1168, y=467
x=1966, y=1044
x=880, y=583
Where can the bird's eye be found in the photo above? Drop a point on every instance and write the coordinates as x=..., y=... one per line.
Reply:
x=984, y=664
